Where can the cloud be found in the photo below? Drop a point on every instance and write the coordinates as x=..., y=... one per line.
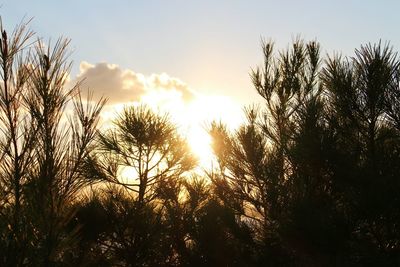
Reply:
x=122, y=86
x=167, y=83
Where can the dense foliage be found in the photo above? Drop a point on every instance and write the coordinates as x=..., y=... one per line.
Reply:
x=311, y=179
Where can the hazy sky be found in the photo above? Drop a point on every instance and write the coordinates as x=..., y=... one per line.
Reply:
x=208, y=45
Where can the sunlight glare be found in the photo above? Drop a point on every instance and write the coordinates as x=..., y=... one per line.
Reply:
x=194, y=117
x=197, y=117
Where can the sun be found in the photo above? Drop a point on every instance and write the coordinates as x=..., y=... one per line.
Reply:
x=196, y=117
x=200, y=143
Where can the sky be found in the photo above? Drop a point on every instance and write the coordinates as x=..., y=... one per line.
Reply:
x=209, y=45
x=171, y=52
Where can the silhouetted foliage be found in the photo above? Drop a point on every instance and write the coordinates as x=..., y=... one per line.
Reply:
x=314, y=173
x=310, y=179
x=42, y=152
x=362, y=96
x=147, y=145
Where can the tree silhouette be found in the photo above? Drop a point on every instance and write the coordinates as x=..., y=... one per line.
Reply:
x=315, y=175
x=258, y=162
x=60, y=148
x=17, y=142
x=148, y=145
x=42, y=152
x=362, y=91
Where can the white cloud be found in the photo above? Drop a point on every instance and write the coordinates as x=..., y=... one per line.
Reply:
x=122, y=86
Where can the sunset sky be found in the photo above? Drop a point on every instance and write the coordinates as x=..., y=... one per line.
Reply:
x=193, y=58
